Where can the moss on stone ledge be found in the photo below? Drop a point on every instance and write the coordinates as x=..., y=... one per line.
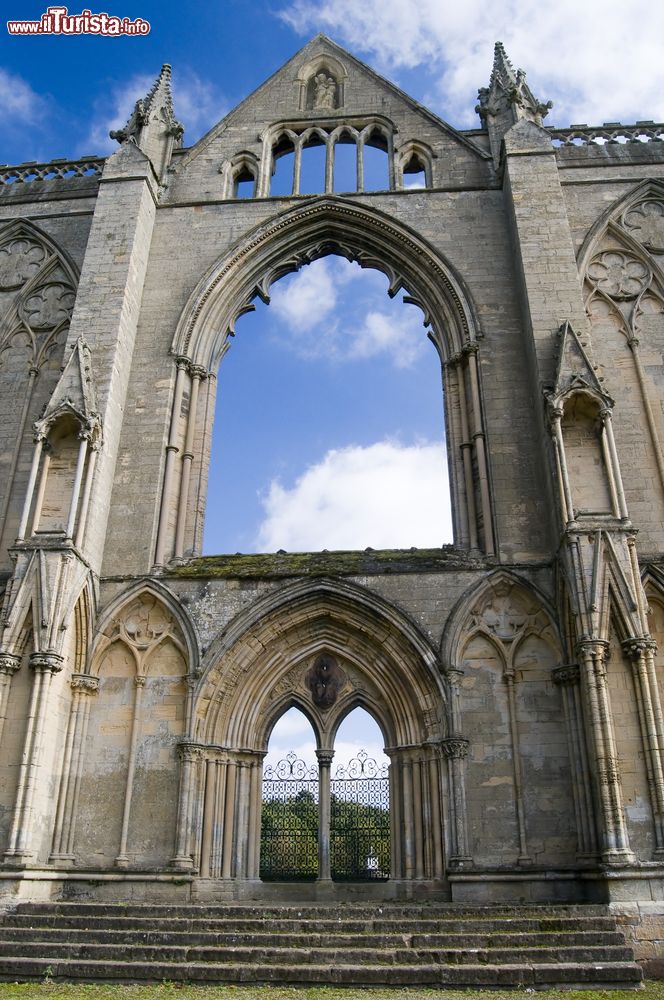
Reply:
x=368, y=562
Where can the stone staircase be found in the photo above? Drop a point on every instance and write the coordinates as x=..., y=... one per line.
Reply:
x=385, y=944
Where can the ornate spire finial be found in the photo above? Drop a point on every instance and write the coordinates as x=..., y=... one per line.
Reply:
x=152, y=124
x=508, y=93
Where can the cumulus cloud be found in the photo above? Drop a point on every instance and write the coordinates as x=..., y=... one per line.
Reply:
x=197, y=103
x=314, y=325
x=20, y=104
x=596, y=60
x=383, y=495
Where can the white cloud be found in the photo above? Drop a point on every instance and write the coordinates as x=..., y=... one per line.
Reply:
x=600, y=59
x=20, y=104
x=197, y=104
x=308, y=306
x=384, y=495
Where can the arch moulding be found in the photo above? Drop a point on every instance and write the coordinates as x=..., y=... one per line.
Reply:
x=300, y=235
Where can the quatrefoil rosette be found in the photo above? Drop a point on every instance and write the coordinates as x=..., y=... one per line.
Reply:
x=618, y=274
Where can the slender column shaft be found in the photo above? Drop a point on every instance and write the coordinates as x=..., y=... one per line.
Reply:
x=297, y=167
x=418, y=837
x=242, y=800
x=76, y=492
x=44, y=665
x=524, y=857
x=637, y=651
x=608, y=429
x=66, y=777
x=614, y=834
x=438, y=864
x=187, y=459
x=208, y=817
x=34, y=469
x=360, y=164
x=324, y=813
x=122, y=859
x=478, y=437
x=188, y=756
x=90, y=686
x=615, y=510
x=218, y=828
x=329, y=167
x=560, y=450
x=466, y=448
x=456, y=749
x=171, y=449
x=408, y=824
x=229, y=822
x=253, y=861
x=85, y=502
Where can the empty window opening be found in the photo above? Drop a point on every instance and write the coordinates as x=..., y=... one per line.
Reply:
x=244, y=185
x=329, y=430
x=312, y=173
x=345, y=165
x=283, y=158
x=414, y=174
x=376, y=163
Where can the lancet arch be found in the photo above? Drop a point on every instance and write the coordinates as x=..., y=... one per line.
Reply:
x=280, y=246
x=260, y=662
x=298, y=236
x=325, y=648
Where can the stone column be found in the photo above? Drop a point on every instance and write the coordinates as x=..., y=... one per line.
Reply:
x=324, y=813
x=9, y=664
x=44, y=666
x=615, y=843
x=567, y=678
x=122, y=860
x=82, y=685
x=169, y=465
x=641, y=653
x=523, y=858
x=455, y=749
x=197, y=373
x=190, y=755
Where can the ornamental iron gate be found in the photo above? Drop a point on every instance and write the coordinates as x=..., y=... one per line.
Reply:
x=359, y=828
x=289, y=822
x=360, y=821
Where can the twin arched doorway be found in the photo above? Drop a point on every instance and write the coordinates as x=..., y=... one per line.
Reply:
x=326, y=812
x=326, y=649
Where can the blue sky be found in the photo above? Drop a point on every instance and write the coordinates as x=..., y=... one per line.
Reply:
x=345, y=446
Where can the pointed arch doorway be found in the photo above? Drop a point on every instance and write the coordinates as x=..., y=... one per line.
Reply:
x=321, y=819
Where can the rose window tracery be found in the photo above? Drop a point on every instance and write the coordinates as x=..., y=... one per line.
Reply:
x=619, y=274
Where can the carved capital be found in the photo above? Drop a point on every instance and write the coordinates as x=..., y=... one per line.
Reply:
x=636, y=648
x=84, y=683
x=182, y=362
x=52, y=662
x=325, y=757
x=9, y=663
x=455, y=747
x=472, y=348
x=595, y=650
x=198, y=371
x=190, y=752
x=568, y=673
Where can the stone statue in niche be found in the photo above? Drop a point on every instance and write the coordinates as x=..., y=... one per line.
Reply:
x=325, y=679
x=325, y=91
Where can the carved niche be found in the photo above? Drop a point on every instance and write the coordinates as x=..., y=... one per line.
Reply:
x=325, y=680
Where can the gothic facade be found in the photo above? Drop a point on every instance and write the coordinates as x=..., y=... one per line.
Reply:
x=517, y=676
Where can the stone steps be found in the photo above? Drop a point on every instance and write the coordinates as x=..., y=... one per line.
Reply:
x=361, y=945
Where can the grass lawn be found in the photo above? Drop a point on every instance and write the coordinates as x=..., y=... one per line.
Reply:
x=49, y=990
